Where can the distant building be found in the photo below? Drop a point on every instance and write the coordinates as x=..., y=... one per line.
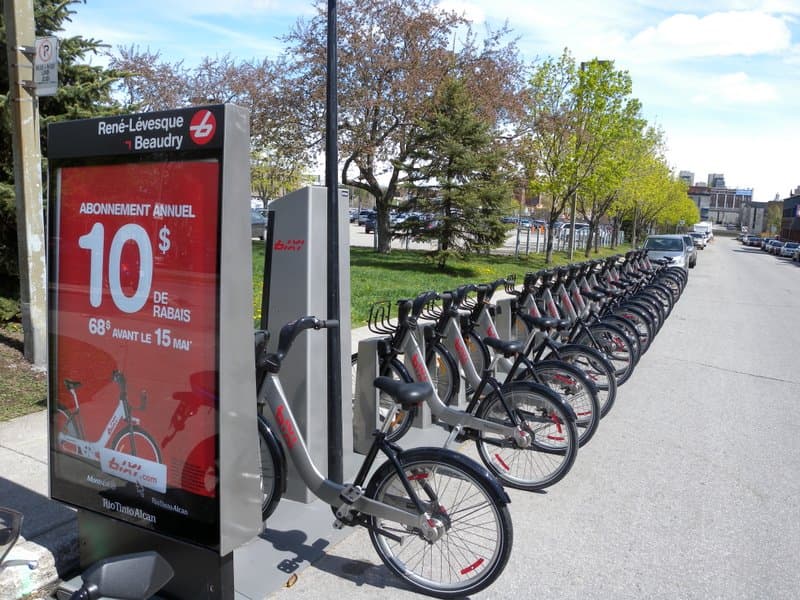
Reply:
x=725, y=204
x=790, y=223
x=701, y=195
x=716, y=180
x=687, y=176
x=752, y=216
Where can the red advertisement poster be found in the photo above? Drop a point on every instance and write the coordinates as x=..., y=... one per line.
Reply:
x=136, y=333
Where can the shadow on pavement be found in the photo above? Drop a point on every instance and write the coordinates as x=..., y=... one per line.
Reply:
x=359, y=572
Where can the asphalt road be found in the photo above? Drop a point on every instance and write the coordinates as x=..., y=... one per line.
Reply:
x=690, y=488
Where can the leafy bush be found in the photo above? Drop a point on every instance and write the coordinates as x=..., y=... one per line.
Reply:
x=9, y=310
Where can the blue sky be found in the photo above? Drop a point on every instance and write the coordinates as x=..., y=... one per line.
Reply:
x=721, y=78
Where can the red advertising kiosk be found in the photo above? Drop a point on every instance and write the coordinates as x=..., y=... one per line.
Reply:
x=153, y=433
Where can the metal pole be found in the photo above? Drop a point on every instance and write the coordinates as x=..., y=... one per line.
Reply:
x=335, y=466
x=27, y=179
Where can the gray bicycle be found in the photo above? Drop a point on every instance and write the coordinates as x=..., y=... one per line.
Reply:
x=436, y=518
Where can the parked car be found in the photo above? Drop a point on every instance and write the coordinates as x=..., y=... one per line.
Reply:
x=751, y=240
x=787, y=250
x=363, y=215
x=773, y=246
x=353, y=214
x=691, y=249
x=699, y=240
x=796, y=255
x=668, y=246
x=371, y=223
x=258, y=224
x=581, y=231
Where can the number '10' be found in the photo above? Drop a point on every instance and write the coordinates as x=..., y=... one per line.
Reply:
x=94, y=242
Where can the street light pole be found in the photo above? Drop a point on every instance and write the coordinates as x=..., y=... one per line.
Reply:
x=335, y=438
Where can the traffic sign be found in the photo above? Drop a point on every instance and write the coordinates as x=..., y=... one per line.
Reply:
x=45, y=66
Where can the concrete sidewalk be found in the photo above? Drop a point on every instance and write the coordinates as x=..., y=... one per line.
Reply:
x=49, y=528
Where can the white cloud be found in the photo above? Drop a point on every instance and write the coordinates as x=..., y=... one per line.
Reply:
x=763, y=161
x=736, y=88
x=744, y=33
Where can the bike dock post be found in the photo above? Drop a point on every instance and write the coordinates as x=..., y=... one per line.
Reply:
x=365, y=405
x=502, y=318
x=297, y=288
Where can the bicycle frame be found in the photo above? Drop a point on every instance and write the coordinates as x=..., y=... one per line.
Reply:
x=335, y=494
x=454, y=417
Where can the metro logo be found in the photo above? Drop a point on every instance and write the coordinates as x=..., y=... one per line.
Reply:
x=202, y=127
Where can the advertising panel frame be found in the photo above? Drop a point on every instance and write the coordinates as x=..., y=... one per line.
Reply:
x=123, y=191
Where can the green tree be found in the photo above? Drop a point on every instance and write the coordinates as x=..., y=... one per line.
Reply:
x=454, y=172
x=278, y=159
x=773, y=217
x=84, y=91
x=393, y=55
x=574, y=117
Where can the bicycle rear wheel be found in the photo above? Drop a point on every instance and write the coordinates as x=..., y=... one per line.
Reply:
x=137, y=443
x=575, y=389
x=474, y=525
x=443, y=369
x=612, y=342
x=546, y=419
x=599, y=371
x=273, y=468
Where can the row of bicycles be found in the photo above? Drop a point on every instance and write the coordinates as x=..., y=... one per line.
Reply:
x=528, y=402
x=437, y=518
x=528, y=399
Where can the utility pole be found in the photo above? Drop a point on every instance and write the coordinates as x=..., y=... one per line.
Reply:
x=20, y=41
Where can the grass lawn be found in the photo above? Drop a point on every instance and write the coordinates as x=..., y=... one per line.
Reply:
x=373, y=277
x=23, y=390
x=406, y=273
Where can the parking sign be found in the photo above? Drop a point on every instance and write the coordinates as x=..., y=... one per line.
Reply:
x=45, y=66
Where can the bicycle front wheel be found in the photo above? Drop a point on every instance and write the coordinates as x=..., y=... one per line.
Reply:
x=443, y=369
x=473, y=527
x=575, y=389
x=273, y=469
x=554, y=443
x=403, y=419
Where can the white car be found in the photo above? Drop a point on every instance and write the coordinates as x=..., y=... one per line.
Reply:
x=669, y=246
x=789, y=248
x=700, y=240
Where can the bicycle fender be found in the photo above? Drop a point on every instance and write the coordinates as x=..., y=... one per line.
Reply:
x=477, y=470
x=268, y=433
x=596, y=354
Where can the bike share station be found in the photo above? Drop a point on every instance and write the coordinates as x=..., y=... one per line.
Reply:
x=152, y=412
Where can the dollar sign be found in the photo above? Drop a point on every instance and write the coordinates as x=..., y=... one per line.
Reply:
x=163, y=235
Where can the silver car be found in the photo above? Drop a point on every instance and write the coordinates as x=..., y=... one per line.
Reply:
x=668, y=246
x=687, y=239
x=788, y=249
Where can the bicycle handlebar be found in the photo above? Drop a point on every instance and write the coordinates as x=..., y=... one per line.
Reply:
x=272, y=362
